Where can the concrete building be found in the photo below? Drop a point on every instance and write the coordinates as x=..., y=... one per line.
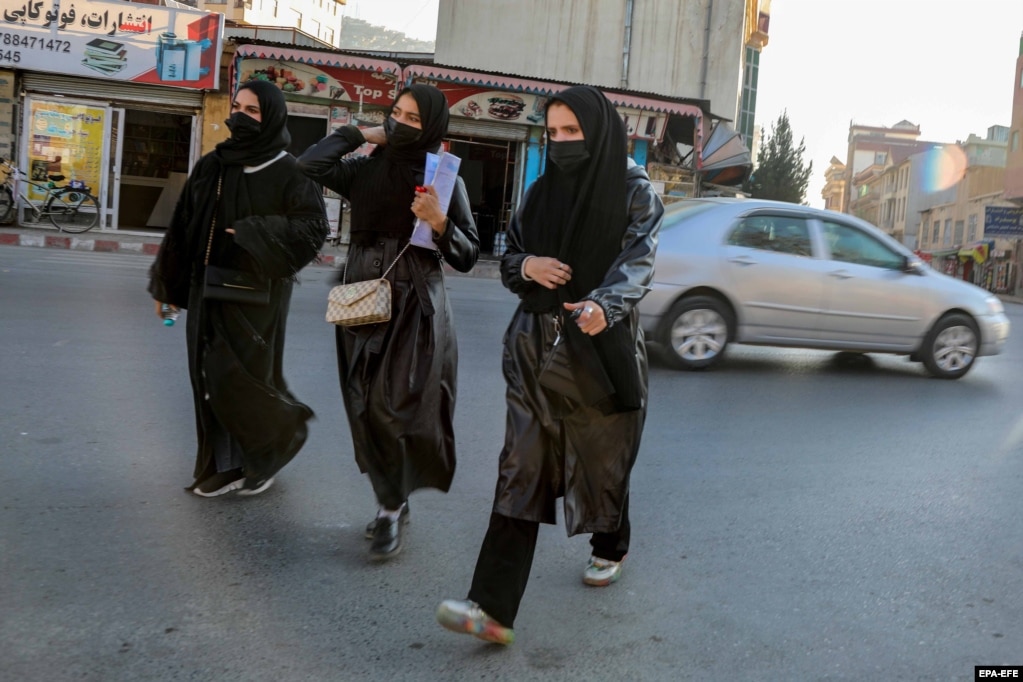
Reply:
x=320, y=19
x=952, y=229
x=703, y=49
x=833, y=193
x=1014, y=157
x=873, y=146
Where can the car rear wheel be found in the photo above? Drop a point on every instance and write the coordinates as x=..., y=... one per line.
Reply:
x=695, y=332
x=950, y=348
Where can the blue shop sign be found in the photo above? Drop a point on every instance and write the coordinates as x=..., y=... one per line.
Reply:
x=1003, y=221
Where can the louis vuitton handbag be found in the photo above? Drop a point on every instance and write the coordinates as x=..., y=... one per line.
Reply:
x=359, y=303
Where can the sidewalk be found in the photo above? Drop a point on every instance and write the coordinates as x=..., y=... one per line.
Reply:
x=112, y=241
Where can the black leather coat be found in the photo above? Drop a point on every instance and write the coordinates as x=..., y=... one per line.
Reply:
x=553, y=449
x=399, y=379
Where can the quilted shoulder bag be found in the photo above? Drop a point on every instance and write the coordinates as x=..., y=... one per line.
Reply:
x=359, y=303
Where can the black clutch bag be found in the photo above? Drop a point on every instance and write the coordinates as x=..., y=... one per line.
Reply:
x=556, y=372
x=235, y=286
x=225, y=284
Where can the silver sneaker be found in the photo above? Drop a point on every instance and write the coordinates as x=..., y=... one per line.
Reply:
x=466, y=617
x=602, y=572
x=372, y=525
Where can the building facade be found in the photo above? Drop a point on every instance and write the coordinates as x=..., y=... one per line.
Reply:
x=1014, y=155
x=833, y=192
x=703, y=49
x=320, y=19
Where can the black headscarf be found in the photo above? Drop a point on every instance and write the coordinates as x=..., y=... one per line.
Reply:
x=273, y=129
x=580, y=218
x=384, y=189
x=234, y=202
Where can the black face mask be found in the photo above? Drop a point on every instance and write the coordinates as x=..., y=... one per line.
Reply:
x=399, y=134
x=568, y=156
x=243, y=127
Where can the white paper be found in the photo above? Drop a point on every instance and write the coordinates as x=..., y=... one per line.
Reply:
x=442, y=173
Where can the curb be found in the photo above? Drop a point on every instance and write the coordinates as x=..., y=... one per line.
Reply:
x=78, y=244
x=485, y=269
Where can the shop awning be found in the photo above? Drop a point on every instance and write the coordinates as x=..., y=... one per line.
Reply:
x=725, y=159
x=318, y=58
x=979, y=251
x=544, y=88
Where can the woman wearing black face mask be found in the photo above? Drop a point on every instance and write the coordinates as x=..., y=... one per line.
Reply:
x=398, y=379
x=580, y=256
x=245, y=208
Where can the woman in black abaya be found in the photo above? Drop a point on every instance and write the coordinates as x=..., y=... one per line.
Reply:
x=398, y=378
x=266, y=219
x=580, y=257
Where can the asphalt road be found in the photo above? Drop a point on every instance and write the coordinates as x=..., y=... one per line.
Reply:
x=796, y=516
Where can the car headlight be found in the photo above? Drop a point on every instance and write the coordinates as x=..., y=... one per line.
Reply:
x=994, y=305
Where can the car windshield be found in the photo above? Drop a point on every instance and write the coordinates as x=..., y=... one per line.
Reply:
x=675, y=214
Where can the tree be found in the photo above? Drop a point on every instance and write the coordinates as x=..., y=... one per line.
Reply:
x=780, y=173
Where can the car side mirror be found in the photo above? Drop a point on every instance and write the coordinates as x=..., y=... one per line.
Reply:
x=912, y=265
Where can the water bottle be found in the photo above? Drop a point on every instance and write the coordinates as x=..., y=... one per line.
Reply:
x=170, y=315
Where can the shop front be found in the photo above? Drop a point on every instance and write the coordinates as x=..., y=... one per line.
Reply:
x=115, y=104
x=496, y=125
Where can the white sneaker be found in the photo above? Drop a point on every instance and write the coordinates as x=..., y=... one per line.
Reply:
x=248, y=492
x=602, y=572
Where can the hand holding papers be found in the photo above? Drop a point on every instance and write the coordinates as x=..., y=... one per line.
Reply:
x=442, y=173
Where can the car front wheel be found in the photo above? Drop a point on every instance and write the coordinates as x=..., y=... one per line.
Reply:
x=950, y=348
x=695, y=332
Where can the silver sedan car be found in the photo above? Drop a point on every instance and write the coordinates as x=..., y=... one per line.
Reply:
x=778, y=274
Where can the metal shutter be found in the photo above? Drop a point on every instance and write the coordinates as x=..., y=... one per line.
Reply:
x=488, y=129
x=139, y=95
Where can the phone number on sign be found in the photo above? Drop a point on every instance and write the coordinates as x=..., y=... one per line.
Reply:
x=8, y=40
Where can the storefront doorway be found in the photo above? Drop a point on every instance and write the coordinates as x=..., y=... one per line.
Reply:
x=156, y=156
x=488, y=170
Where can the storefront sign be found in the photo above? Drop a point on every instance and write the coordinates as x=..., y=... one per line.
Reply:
x=1003, y=221
x=66, y=139
x=482, y=104
x=323, y=81
x=123, y=41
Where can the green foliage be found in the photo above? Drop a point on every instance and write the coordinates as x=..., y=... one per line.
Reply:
x=780, y=173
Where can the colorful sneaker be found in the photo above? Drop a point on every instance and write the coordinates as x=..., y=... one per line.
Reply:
x=468, y=618
x=602, y=572
x=219, y=483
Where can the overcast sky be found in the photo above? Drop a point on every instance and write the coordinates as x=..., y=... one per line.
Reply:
x=945, y=65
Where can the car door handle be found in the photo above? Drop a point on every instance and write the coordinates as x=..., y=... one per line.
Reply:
x=841, y=274
x=743, y=260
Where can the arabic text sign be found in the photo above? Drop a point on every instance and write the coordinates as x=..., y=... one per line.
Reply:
x=108, y=39
x=1003, y=221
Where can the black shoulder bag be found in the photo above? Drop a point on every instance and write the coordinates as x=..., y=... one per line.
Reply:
x=225, y=284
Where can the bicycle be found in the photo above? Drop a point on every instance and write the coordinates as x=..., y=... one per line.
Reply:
x=71, y=208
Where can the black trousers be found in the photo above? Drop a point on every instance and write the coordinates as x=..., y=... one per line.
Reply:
x=506, y=557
